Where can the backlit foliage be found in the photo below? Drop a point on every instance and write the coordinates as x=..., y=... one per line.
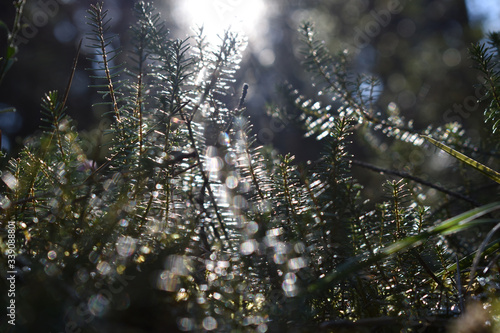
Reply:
x=189, y=225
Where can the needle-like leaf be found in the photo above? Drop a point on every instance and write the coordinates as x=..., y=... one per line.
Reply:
x=490, y=173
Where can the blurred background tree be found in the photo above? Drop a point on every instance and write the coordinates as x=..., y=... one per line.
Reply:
x=418, y=52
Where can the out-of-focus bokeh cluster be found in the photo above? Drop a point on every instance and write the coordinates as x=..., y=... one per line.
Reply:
x=418, y=51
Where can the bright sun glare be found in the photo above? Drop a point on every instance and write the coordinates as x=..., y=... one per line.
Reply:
x=216, y=16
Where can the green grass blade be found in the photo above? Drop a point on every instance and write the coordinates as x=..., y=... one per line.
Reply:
x=490, y=173
x=467, y=260
x=449, y=226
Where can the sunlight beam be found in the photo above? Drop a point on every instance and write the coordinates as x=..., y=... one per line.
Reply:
x=243, y=17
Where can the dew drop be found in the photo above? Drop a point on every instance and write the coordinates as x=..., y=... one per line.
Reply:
x=186, y=324
x=248, y=247
x=125, y=246
x=252, y=227
x=98, y=304
x=103, y=267
x=231, y=182
x=52, y=255
x=214, y=163
x=209, y=323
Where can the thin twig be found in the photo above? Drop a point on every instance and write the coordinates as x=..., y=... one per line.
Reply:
x=475, y=263
x=73, y=70
x=178, y=173
x=427, y=268
x=100, y=16
x=206, y=182
x=406, y=175
x=459, y=286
